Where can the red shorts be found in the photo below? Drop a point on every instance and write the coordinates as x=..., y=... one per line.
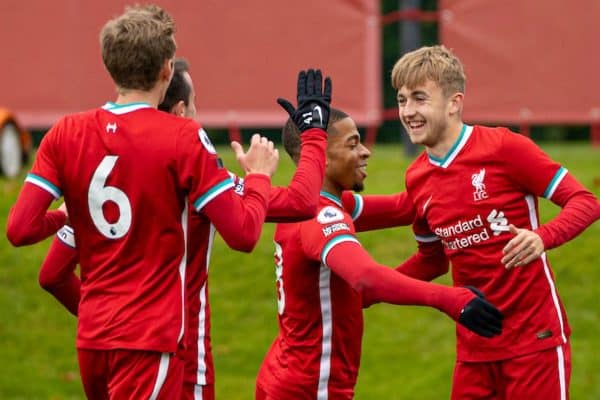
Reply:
x=198, y=392
x=130, y=374
x=542, y=375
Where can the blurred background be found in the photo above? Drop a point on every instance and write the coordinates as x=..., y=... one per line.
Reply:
x=531, y=65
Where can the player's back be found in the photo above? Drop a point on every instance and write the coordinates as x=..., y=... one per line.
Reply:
x=119, y=173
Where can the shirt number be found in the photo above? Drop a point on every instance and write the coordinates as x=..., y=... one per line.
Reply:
x=99, y=193
x=279, y=277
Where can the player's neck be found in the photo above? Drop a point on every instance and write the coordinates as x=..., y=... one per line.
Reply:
x=446, y=140
x=331, y=188
x=152, y=97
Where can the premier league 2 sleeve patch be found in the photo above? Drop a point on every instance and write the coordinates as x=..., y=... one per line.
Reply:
x=329, y=214
x=205, y=140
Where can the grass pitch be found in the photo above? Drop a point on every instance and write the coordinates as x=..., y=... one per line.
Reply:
x=408, y=352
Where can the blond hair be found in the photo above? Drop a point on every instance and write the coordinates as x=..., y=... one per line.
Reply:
x=435, y=63
x=136, y=44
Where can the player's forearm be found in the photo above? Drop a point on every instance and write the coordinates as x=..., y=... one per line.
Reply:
x=59, y=263
x=300, y=199
x=379, y=211
x=377, y=283
x=67, y=292
x=427, y=264
x=239, y=220
x=29, y=221
x=580, y=208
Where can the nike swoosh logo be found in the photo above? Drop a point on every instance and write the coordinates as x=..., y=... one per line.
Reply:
x=427, y=203
x=318, y=109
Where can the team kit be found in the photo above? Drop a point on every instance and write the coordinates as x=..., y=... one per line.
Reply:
x=145, y=192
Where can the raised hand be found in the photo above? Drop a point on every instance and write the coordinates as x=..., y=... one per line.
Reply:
x=314, y=99
x=480, y=316
x=261, y=158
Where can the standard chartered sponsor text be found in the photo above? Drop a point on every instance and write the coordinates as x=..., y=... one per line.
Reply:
x=462, y=227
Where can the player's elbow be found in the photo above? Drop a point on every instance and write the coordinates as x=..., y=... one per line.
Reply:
x=243, y=244
x=304, y=211
x=363, y=285
x=46, y=280
x=303, y=207
x=16, y=235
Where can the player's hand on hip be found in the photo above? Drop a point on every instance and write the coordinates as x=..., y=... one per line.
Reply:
x=63, y=208
x=314, y=99
x=261, y=158
x=525, y=247
x=480, y=316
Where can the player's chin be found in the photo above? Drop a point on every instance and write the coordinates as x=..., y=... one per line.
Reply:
x=417, y=138
x=358, y=186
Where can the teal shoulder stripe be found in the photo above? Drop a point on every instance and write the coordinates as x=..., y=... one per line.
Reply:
x=558, y=177
x=212, y=193
x=44, y=184
x=336, y=240
x=358, y=206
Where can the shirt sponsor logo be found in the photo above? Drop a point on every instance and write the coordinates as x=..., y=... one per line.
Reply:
x=472, y=231
x=477, y=182
x=331, y=229
x=498, y=223
x=329, y=214
x=204, y=139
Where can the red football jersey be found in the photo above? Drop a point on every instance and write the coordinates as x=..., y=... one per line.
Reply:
x=489, y=179
x=298, y=201
x=317, y=351
x=126, y=172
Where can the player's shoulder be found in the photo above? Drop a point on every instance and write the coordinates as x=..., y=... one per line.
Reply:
x=76, y=119
x=331, y=220
x=502, y=142
x=190, y=130
x=418, y=166
x=172, y=122
x=328, y=213
x=493, y=135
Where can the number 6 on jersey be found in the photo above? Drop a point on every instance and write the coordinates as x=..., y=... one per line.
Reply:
x=98, y=194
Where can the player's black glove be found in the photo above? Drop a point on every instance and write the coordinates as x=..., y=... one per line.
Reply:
x=481, y=316
x=313, y=101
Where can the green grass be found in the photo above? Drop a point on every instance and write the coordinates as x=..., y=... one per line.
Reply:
x=408, y=352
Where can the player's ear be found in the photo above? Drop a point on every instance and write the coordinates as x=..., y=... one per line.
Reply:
x=178, y=109
x=167, y=70
x=455, y=103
